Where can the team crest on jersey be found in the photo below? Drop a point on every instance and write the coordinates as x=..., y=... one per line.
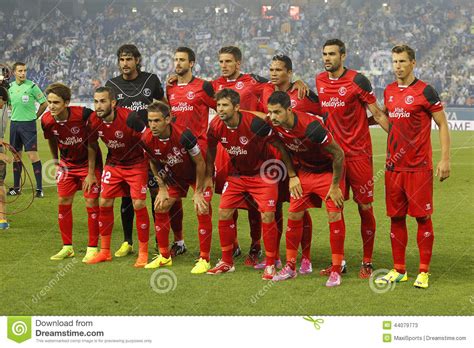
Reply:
x=190, y=95
x=147, y=92
x=342, y=91
x=293, y=103
x=239, y=85
x=75, y=130
x=243, y=140
x=409, y=99
x=119, y=134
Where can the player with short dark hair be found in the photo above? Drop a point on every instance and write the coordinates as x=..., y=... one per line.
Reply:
x=65, y=128
x=177, y=162
x=411, y=105
x=345, y=95
x=134, y=90
x=125, y=172
x=24, y=94
x=244, y=137
x=319, y=162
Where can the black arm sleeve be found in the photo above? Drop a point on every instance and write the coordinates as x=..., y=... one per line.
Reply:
x=431, y=95
x=260, y=127
x=207, y=87
x=135, y=122
x=158, y=92
x=86, y=112
x=363, y=82
x=259, y=78
x=316, y=132
x=313, y=97
x=188, y=140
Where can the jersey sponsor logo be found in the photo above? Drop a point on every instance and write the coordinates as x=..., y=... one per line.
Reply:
x=114, y=144
x=334, y=102
x=293, y=103
x=172, y=160
x=176, y=151
x=342, y=91
x=70, y=141
x=136, y=106
x=25, y=98
x=399, y=113
x=182, y=107
x=236, y=151
x=119, y=134
x=75, y=130
x=147, y=92
x=409, y=99
x=239, y=85
x=190, y=95
x=244, y=140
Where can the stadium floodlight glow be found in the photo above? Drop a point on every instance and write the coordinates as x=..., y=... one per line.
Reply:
x=134, y=10
x=177, y=9
x=385, y=4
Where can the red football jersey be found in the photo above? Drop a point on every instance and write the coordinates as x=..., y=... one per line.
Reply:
x=309, y=104
x=121, y=136
x=190, y=105
x=245, y=144
x=409, y=138
x=343, y=103
x=71, y=136
x=306, y=141
x=174, y=153
x=249, y=87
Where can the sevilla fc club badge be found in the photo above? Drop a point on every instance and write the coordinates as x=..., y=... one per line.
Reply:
x=244, y=140
x=409, y=99
x=342, y=91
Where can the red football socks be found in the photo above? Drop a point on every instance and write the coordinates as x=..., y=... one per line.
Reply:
x=205, y=235
x=93, y=224
x=367, y=231
x=176, y=218
x=162, y=228
x=399, y=239
x=65, y=223
x=425, y=239
x=270, y=232
x=255, y=222
x=337, y=235
x=307, y=236
x=227, y=233
x=293, y=239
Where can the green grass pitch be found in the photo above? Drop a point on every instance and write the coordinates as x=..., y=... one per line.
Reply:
x=31, y=284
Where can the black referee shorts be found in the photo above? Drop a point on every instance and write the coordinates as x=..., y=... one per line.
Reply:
x=23, y=134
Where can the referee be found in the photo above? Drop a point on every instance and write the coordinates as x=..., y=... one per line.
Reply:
x=24, y=94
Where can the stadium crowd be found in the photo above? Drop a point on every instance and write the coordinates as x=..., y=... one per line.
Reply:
x=80, y=51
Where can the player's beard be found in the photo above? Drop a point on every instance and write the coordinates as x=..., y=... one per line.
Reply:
x=182, y=72
x=106, y=112
x=333, y=67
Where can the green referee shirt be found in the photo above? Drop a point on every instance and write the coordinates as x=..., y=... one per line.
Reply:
x=22, y=100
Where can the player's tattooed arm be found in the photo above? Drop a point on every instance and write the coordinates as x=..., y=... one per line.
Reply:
x=53, y=149
x=443, y=169
x=91, y=180
x=378, y=116
x=335, y=192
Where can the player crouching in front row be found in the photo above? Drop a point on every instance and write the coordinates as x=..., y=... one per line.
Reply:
x=177, y=158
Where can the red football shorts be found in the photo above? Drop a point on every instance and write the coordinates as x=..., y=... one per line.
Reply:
x=360, y=178
x=315, y=188
x=121, y=181
x=409, y=193
x=69, y=180
x=236, y=188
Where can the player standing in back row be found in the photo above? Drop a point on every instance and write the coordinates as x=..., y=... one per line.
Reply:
x=344, y=95
x=411, y=105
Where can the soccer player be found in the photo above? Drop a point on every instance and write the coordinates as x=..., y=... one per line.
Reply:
x=134, y=90
x=345, y=95
x=175, y=149
x=281, y=72
x=65, y=128
x=320, y=165
x=243, y=135
x=411, y=105
x=125, y=171
x=24, y=94
x=250, y=88
x=3, y=158
x=190, y=99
